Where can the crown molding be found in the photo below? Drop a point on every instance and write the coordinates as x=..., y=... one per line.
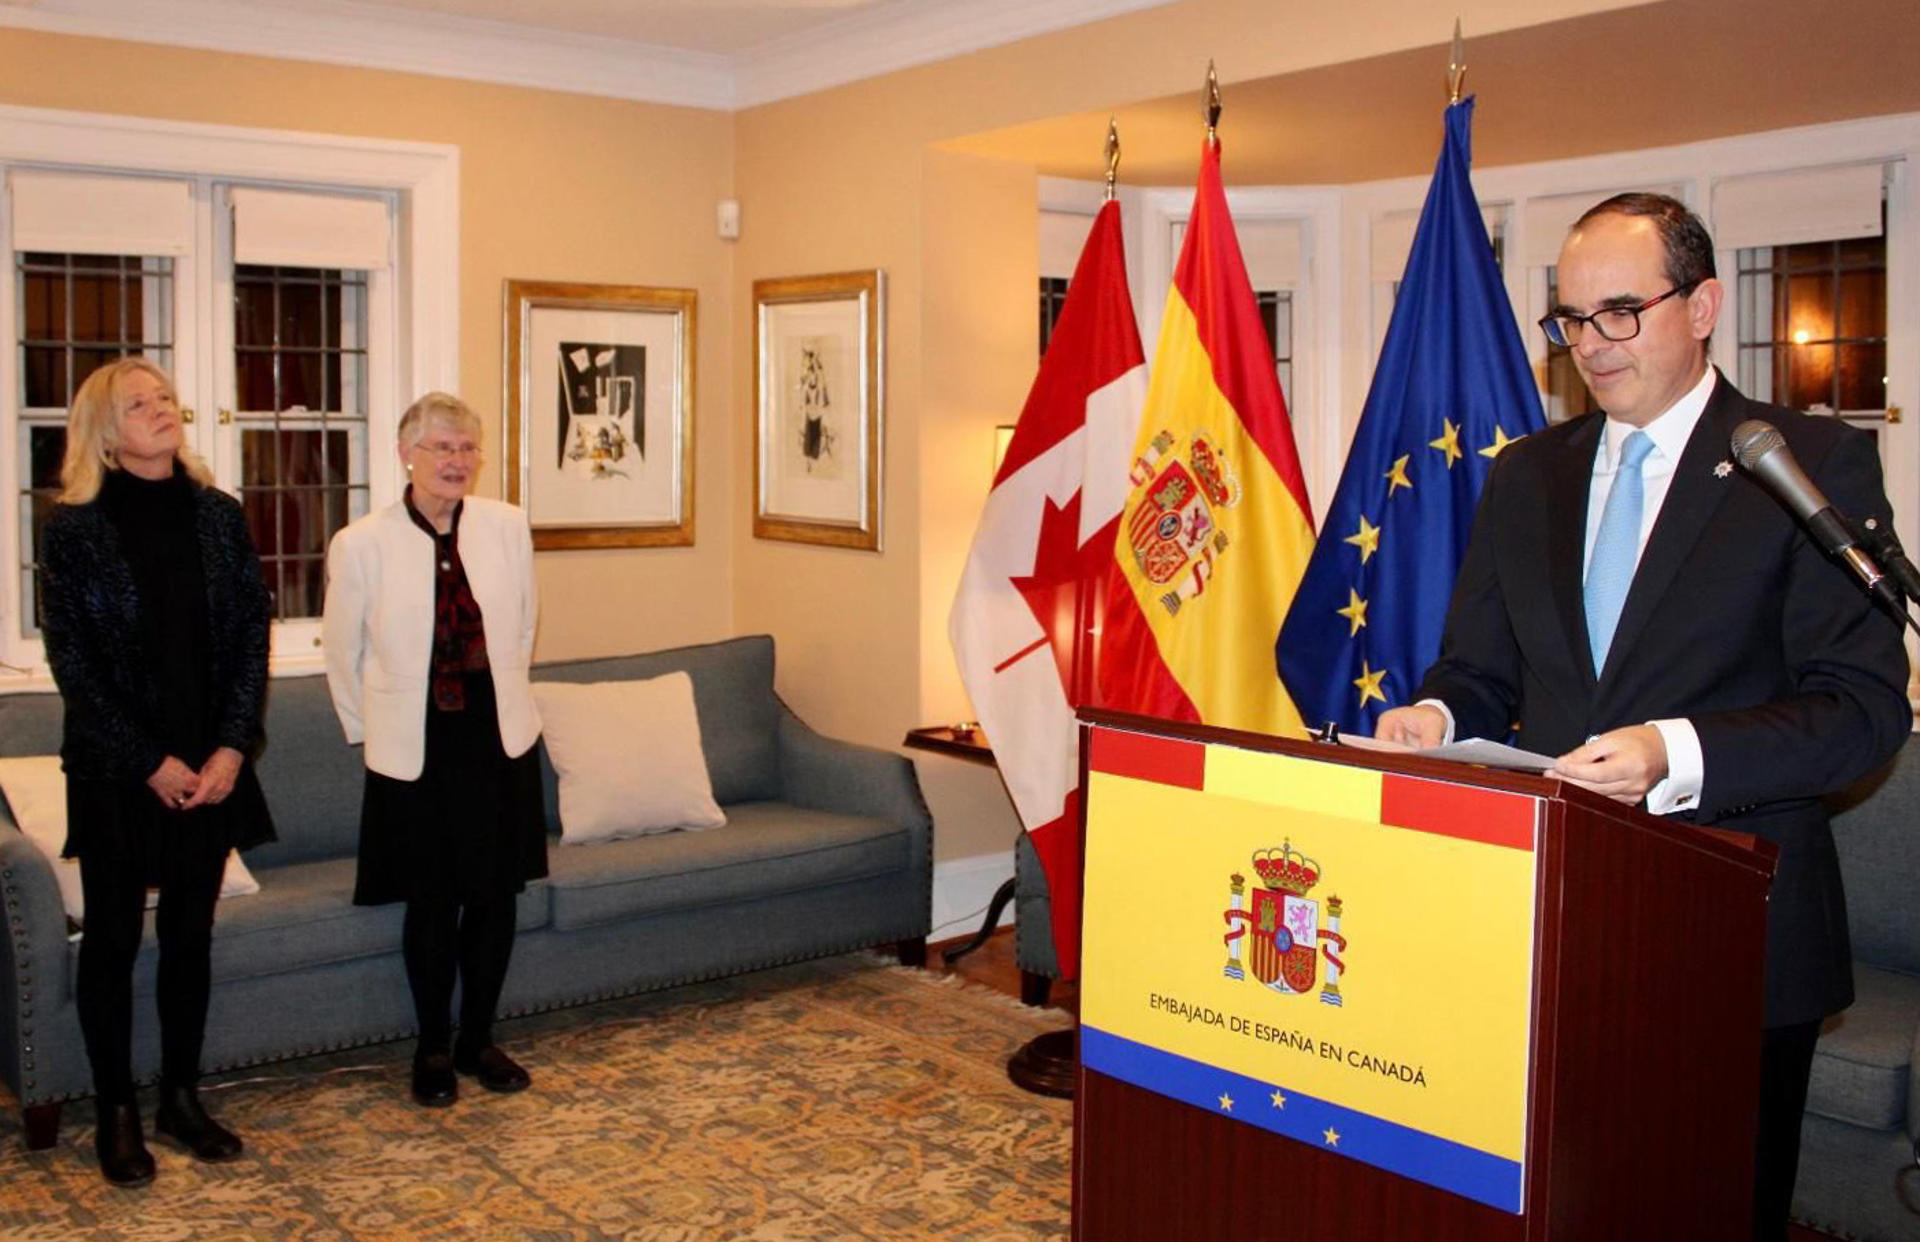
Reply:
x=900, y=35
x=881, y=39
x=373, y=36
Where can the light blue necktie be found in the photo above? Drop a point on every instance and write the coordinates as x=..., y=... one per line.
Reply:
x=1616, y=549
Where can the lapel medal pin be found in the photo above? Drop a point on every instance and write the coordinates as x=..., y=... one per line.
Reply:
x=1722, y=470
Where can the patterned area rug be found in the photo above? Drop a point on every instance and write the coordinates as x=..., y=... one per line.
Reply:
x=843, y=1099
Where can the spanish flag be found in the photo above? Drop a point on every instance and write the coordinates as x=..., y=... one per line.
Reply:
x=1217, y=530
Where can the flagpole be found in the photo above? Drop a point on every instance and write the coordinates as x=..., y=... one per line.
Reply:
x=1456, y=66
x=1210, y=106
x=1049, y=1063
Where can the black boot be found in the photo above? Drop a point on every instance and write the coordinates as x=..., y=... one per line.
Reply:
x=124, y=1159
x=434, y=1085
x=181, y=1117
x=495, y=1069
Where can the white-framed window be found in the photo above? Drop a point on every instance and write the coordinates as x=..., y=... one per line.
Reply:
x=300, y=290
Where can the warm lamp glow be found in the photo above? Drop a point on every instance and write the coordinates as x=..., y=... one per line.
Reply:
x=1802, y=337
x=1002, y=437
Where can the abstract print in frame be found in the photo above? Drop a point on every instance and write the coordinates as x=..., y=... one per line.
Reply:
x=818, y=395
x=599, y=427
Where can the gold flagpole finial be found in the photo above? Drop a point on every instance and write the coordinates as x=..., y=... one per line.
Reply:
x=1211, y=107
x=1457, y=66
x=1113, y=156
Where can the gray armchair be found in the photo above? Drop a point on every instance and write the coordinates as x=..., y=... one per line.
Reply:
x=1033, y=925
x=1858, y=1171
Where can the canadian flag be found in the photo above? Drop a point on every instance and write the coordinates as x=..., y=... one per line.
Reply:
x=1026, y=617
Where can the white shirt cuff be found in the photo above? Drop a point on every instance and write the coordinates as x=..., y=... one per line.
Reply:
x=1680, y=791
x=1448, y=739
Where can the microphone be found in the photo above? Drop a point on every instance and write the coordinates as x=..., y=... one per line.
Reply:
x=1762, y=451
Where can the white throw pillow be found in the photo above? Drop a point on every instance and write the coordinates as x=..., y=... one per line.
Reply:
x=36, y=789
x=628, y=756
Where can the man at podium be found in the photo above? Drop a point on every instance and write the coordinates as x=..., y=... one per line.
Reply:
x=1644, y=610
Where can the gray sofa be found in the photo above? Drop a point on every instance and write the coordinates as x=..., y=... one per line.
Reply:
x=1858, y=1172
x=827, y=848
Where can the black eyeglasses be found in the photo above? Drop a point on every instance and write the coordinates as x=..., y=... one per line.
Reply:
x=1614, y=323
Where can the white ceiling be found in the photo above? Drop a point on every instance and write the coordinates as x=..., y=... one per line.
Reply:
x=701, y=53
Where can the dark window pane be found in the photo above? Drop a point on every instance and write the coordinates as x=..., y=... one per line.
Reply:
x=1863, y=303
x=43, y=375
x=252, y=313
x=1863, y=251
x=300, y=382
x=258, y=504
x=96, y=309
x=337, y=461
x=253, y=381
x=1810, y=375
x=304, y=588
x=1799, y=258
x=44, y=307
x=303, y=522
x=1863, y=370
x=300, y=316
x=45, y=447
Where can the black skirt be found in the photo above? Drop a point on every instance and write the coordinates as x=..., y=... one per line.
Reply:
x=123, y=824
x=472, y=827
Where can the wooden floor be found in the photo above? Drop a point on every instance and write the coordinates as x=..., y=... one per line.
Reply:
x=993, y=965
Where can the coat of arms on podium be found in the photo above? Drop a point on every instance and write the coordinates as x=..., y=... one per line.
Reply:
x=1282, y=936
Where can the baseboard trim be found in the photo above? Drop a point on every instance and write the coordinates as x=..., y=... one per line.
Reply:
x=962, y=887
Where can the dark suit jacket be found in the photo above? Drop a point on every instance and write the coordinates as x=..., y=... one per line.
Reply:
x=1794, y=680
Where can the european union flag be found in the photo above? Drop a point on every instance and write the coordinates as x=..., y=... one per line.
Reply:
x=1451, y=390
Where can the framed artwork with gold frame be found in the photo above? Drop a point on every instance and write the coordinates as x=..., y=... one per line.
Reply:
x=819, y=367
x=599, y=424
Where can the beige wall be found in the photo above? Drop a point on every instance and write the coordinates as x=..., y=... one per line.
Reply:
x=553, y=186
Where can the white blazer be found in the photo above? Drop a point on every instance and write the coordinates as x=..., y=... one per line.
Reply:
x=378, y=627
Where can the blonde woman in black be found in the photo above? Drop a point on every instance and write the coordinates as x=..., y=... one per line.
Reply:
x=156, y=628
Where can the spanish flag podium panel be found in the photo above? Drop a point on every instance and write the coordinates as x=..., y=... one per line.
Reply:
x=1335, y=954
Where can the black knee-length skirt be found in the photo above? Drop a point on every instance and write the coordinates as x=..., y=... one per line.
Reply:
x=473, y=826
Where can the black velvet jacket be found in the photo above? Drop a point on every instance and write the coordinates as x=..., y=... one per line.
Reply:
x=93, y=638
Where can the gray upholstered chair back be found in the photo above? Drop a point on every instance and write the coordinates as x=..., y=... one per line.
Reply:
x=312, y=777
x=1877, y=831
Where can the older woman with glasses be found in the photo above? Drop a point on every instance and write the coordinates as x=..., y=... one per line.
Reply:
x=429, y=630
x=156, y=629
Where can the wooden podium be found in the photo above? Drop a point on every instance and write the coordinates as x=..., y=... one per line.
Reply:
x=1639, y=1031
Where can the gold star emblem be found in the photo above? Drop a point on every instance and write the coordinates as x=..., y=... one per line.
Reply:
x=1226, y=1103
x=1332, y=1136
x=1500, y=441
x=1279, y=1100
x=1448, y=443
x=1368, y=683
x=1397, y=476
x=1355, y=611
x=1722, y=470
x=1367, y=538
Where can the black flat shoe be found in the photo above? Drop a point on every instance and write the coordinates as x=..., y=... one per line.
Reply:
x=182, y=1118
x=495, y=1069
x=124, y=1159
x=434, y=1085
